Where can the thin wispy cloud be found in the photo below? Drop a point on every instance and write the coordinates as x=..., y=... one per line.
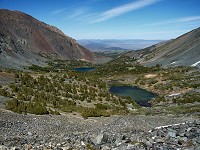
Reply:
x=164, y=32
x=78, y=12
x=124, y=9
x=188, y=19
x=59, y=11
x=176, y=20
x=87, y=18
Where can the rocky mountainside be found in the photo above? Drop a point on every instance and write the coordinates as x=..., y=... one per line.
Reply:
x=184, y=50
x=23, y=37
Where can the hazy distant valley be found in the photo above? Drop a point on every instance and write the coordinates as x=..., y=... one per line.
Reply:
x=116, y=44
x=58, y=94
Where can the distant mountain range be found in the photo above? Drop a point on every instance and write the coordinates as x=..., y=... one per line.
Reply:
x=24, y=39
x=115, y=44
x=182, y=51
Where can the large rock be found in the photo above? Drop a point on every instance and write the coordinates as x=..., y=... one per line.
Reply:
x=171, y=133
x=100, y=138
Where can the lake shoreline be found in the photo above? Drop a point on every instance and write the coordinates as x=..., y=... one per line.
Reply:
x=137, y=94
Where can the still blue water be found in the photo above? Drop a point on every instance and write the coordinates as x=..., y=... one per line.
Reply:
x=141, y=96
x=84, y=69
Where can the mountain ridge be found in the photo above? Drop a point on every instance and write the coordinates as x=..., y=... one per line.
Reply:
x=22, y=36
x=183, y=50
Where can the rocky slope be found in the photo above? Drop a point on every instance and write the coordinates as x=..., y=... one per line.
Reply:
x=23, y=37
x=133, y=132
x=184, y=50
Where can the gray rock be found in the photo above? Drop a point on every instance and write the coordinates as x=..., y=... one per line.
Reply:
x=65, y=148
x=100, y=138
x=171, y=133
x=3, y=147
x=197, y=148
x=15, y=148
x=30, y=134
x=159, y=140
x=106, y=148
x=116, y=132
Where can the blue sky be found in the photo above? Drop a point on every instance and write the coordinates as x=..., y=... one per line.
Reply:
x=114, y=19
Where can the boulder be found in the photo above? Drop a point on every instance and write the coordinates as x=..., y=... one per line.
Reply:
x=100, y=138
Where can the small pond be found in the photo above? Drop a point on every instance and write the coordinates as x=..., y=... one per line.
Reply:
x=85, y=69
x=141, y=96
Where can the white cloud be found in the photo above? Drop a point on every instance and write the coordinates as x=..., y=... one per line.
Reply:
x=123, y=9
x=59, y=11
x=190, y=18
x=176, y=20
x=78, y=12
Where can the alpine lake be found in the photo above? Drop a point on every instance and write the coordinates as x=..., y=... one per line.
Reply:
x=141, y=96
x=84, y=69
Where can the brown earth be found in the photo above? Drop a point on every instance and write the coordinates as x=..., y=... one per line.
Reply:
x=23, y=37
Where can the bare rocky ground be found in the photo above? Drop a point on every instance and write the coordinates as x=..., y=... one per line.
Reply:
x=5, y=78
x=70, y=131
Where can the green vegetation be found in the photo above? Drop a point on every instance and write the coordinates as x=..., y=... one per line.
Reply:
x=184, y=109
x=58, y=88
x=22, y=107
x=187, y=98
x=42, y=69
x=3, y=92
x=66, y=92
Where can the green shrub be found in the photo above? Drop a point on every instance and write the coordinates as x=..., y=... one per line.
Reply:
x=53, y=112
x=92, y=112
x=39, y=109
x=102, y=106
x=68, y=109
x=142, y=82
x=15, y=105
x=20, y=107
x=3, y=92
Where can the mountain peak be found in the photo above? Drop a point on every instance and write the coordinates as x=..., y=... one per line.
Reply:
x=22, y=35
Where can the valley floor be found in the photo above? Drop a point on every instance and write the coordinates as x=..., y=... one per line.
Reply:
x=71, y=131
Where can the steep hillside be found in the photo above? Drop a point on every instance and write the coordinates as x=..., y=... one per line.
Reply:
x=23, y=37
x=184, y=50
